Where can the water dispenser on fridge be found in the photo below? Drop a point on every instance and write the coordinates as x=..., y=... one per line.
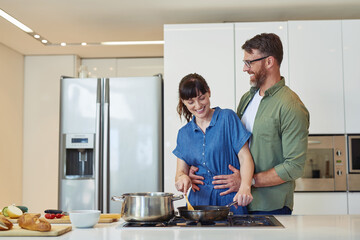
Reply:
x=79, y=156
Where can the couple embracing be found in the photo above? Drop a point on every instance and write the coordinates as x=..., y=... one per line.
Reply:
x=253, y=156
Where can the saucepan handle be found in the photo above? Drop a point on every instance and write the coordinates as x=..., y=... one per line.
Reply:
x=116, y=198
x=177, y=197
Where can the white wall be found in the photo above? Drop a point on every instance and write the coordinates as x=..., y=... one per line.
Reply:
x=11, y=125
x=41, y=128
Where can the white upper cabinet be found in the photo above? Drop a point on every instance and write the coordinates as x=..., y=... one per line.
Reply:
x=207, y=49
x=315, y=63
x=351, y=52
x=245, y=31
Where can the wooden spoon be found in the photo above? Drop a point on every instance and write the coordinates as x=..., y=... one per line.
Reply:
x=189, y=207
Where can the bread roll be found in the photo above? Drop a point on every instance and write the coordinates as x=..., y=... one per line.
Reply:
x=5, y=224
x=32, y=222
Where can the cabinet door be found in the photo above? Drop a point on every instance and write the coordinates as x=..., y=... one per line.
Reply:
x=351, y=52
x=315, y=203
x=206, y=49
x=315, y=63
x=245, y=31
x=354, y=202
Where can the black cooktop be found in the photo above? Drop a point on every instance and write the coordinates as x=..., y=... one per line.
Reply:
x=231, y=221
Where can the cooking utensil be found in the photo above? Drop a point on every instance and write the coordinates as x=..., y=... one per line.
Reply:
x=147, y=207
x=189, y=206
x=206, y=213
x=231, y=204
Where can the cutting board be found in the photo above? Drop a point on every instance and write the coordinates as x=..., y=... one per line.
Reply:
x=66, y=220
x=17, y=231
x=104, y=218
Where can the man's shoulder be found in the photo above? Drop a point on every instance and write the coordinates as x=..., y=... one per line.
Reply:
x=289, y=97
x=244, y=97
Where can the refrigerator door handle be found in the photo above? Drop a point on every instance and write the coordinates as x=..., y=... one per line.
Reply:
x=106, y=147
x=97, y=151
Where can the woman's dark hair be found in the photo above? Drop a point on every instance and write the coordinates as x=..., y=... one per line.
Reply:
x=269, y=44
x=190, y=86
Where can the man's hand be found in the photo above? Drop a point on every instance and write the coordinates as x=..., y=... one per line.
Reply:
x=231, y=181
x=195, y=179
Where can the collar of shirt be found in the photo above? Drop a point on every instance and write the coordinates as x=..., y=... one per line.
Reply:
x=212, y=123
x=271, y=91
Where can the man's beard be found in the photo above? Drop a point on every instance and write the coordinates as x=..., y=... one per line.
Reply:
x=259, y=78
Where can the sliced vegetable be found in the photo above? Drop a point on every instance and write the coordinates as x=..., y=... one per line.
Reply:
x=4, y=211
x=50, y=216
x=14, y=212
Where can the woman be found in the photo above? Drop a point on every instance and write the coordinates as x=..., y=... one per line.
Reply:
x=212, y=139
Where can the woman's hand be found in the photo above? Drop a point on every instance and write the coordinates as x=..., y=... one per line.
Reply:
x=243, y=196
x=183, y=183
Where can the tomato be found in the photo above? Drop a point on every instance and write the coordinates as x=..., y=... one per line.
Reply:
x=50, y=216
x=59, y=215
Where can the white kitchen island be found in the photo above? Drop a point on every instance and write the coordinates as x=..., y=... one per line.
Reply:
x=342, y=227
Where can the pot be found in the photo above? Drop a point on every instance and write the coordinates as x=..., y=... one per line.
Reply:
x=147, y=207
x=205, y=213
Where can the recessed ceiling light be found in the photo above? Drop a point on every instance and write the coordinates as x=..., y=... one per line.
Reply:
x=15, y=22
x=132, y=43
x=44, y=41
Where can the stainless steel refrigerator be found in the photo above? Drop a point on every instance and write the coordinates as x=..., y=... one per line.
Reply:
x=110, y=140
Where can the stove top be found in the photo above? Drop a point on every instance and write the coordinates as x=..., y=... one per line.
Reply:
x=231, y=221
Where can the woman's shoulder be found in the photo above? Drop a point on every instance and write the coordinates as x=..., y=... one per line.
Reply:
x=226, y=112
x=188, y=126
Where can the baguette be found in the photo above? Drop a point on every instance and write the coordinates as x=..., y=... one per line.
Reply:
x=32, y=222
x=5, y=224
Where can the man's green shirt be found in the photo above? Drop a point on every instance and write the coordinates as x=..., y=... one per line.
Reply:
x=279, y=140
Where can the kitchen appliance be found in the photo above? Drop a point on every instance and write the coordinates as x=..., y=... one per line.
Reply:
x=205, y=213
x=354, y=162
x=110, y=140
x=231, y=221
x=147, y=207
x=325, y=166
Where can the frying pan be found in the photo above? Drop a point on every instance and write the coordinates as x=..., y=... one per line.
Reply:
x=205, y=213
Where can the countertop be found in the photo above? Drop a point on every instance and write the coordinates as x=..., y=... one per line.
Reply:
x=327, y=227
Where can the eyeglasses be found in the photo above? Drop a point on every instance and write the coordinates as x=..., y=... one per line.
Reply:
x=248, y=62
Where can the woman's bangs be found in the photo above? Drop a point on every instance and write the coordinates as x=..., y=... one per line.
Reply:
x=191, y=89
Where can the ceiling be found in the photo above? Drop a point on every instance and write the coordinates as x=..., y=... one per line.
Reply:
x=76, y=21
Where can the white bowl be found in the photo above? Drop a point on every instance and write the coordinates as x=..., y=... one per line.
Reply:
x=84, y=218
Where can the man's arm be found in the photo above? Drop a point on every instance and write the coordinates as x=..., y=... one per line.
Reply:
x=267, y=178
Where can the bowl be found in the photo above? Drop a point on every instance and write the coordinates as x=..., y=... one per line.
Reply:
x=84, y=218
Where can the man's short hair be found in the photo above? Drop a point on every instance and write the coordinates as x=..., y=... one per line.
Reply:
x=269, y=44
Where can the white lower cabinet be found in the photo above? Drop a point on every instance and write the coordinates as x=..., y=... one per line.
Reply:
x=354, y=202
x=320, y=203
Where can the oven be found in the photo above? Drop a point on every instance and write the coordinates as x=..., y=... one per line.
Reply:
x=354, y=162
x=325, y=165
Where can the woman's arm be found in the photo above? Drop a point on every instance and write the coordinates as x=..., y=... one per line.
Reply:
x=182, y=179
x=243, y=196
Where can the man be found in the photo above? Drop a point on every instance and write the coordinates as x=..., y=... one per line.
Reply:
x=279, y=123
